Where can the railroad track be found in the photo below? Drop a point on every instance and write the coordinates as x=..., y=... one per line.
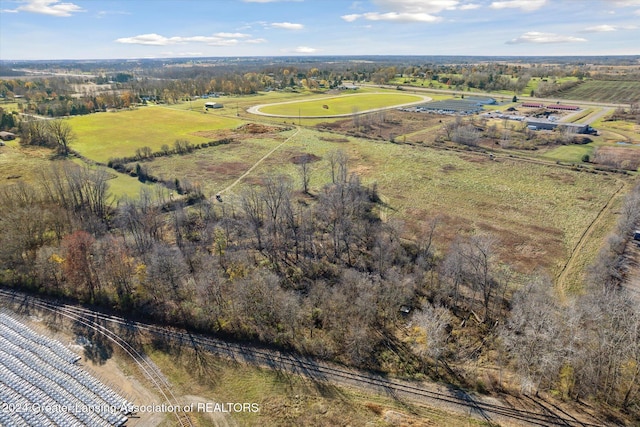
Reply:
x=319, y=371
x=93, y=321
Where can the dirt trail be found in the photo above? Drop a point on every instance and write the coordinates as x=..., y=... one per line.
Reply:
x=224, y=190
x=569, y=265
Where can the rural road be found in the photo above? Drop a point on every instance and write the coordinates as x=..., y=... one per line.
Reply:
x=526, y=411
x=256, y=108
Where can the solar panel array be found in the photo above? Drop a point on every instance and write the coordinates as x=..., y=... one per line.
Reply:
x=40, y=384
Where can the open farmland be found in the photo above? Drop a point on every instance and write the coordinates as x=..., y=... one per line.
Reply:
x=108, y=135
x=338, y=105
x=619, y=92
x=537, y=212
x=214, y=168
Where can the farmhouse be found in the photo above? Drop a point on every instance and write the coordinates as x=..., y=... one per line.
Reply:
x=208, y=105
x=7, y=136
x=532, y=105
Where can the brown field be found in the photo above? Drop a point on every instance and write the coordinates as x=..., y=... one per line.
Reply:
x=618, y=157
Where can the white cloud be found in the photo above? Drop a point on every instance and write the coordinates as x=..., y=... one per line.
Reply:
x=608, y=28
x=256, y=41
x=146, y=39
x=232, y=35
x=220, y=39
x=526, y=5
x=286, y=25
x=179, y=54
x=599, y=29
x=104, y=13
x=410, y=10
x=352, y=17
x=305, y=49
x=9, y=11
x=49, y=7
x=626, y=3
x=393, y=16
x=417, y=6
x=538, y=37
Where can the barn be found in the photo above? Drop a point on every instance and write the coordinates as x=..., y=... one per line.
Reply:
x=208, y=105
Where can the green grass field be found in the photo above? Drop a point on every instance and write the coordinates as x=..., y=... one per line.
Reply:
x=345, y=104
x=106, y=135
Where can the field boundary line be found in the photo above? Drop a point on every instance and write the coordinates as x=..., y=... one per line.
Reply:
x=255, y=165
x=583, y=238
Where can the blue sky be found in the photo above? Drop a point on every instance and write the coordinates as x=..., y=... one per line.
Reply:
x=95, y=29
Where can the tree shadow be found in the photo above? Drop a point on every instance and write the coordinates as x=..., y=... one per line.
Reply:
x=97, y=347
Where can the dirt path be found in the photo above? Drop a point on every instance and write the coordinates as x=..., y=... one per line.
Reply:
x=569, y=265
x=224, y=190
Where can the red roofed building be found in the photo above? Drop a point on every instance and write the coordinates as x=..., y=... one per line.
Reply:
x=563, y=107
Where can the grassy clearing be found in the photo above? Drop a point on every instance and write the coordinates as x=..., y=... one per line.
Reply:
x=345, y=104
x=106, y=135
x=569, y=153
x=285, y=399
x=24, y=163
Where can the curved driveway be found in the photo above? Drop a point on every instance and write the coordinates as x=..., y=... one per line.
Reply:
x=256, y=108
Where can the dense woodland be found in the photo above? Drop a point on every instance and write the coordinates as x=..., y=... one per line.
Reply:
x=323, y=275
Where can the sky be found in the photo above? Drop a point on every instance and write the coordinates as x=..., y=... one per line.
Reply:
x=113, y=29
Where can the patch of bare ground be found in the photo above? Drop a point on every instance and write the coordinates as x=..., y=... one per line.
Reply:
x=618, y=157
x=256, y=128
x=527, y=248
x=386, y=125
x=300, y=158
x=333, y=139
x=241, y=132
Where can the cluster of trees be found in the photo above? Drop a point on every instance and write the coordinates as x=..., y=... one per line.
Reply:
x=8, y=120
x=56, y=134
x=585, y=349
x=271, y=268
x=553, y=88
x=323, y=275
